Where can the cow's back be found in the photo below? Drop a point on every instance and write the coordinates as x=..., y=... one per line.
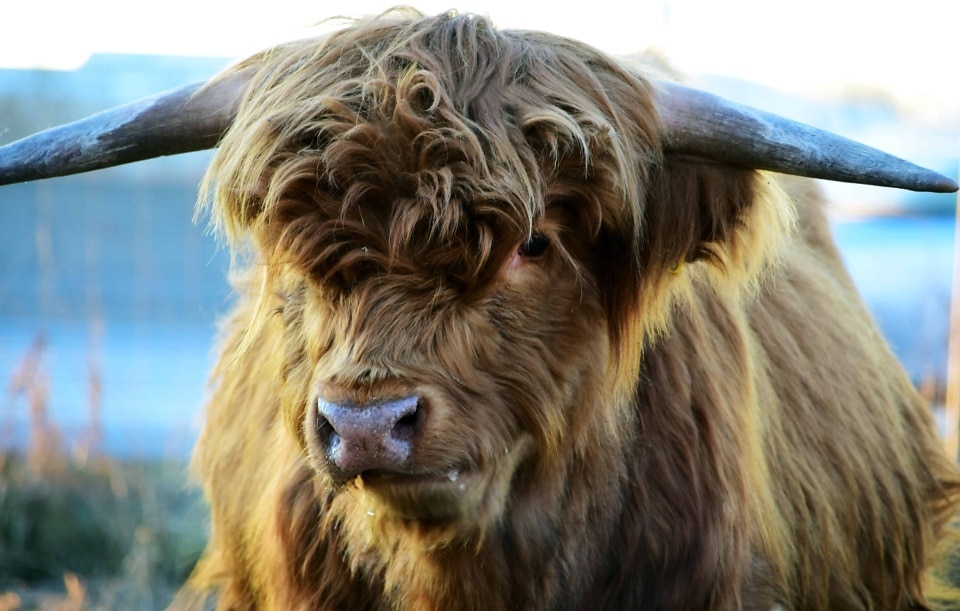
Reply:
x=782, y=445
x=858, y=472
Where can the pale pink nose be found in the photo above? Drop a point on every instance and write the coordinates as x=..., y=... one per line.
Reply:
x=379, y=436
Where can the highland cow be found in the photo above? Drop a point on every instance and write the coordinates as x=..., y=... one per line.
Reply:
x=521, y=328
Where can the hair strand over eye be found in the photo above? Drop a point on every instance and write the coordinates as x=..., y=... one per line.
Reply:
x=534, y=246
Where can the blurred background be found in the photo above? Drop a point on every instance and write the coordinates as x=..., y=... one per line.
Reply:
x=110, y=292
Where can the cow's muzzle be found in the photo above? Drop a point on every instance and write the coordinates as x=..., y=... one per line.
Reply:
x=379, y=436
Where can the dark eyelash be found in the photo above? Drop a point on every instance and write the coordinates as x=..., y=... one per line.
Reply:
x=534, y=246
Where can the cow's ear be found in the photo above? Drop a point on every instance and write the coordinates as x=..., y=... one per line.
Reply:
x=699, y=221
x=694, y=211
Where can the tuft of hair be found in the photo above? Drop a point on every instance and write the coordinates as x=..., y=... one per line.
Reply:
x=468, y=132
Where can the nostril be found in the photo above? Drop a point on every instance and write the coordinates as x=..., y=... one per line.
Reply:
x=406, y=427
x=325, y=432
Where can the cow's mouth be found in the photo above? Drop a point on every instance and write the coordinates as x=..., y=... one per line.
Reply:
x=382, y=449
x=428, y=496
x=470, y=495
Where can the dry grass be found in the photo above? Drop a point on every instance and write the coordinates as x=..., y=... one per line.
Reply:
x=108, y=534
x=80, y=530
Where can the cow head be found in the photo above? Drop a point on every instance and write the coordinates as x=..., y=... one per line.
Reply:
x=446, y=228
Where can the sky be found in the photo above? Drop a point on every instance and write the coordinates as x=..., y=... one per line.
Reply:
x=908, y=50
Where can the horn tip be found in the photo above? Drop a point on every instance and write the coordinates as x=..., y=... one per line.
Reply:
x=928, y=181
x=945, y=185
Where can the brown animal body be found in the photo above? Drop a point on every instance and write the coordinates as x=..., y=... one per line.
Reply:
x=593, y=426
x=494, y=349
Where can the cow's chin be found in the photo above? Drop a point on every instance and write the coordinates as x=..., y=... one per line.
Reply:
x=469, y=498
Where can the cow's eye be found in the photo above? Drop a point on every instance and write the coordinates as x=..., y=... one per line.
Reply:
x=534, y=246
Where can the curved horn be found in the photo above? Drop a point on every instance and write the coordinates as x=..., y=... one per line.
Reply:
x=194, y=117
x=182, y=120
x=702, y=124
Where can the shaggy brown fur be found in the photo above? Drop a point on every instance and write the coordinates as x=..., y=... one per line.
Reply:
x=679, y=404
